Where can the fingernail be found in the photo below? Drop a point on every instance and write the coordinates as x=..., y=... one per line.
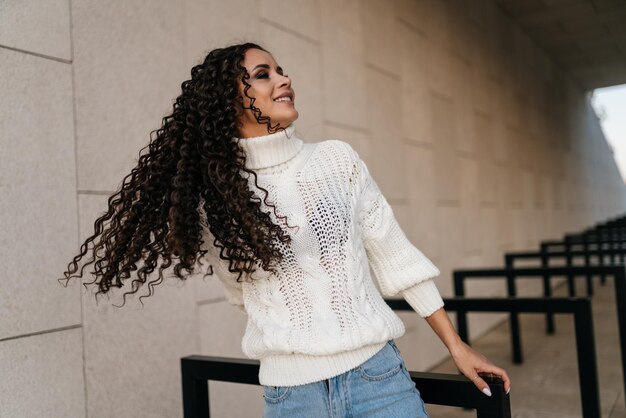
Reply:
x=507, y=392
x=487, y=391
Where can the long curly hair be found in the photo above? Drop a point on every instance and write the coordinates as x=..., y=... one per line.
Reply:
x=190, y=176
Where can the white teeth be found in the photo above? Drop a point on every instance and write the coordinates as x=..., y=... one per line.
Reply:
x=283, y=99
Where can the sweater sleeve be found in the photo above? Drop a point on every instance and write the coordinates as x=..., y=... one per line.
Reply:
x=398, y=265
x=424, y=297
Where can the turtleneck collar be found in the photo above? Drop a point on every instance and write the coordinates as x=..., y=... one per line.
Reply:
x=272, y=149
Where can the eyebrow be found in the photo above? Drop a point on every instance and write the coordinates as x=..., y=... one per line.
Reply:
x=266, y=66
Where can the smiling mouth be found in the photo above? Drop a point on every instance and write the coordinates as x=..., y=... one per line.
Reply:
x=284, y=100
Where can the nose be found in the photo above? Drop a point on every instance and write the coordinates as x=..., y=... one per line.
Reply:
x=285, y=80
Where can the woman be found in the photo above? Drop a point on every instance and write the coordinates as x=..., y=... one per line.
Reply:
x=291, y=230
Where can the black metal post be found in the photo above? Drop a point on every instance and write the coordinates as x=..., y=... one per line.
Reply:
x=571, y=286
x=588, y=263
x=195, y=393
x=516, y=335
x=587, y=372
x=547, y=292
x=619, y=279
x=461, y=317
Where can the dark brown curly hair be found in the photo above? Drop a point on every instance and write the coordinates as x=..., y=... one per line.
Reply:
x=188, y=177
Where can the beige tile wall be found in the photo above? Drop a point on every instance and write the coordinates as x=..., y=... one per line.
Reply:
x=478, y=140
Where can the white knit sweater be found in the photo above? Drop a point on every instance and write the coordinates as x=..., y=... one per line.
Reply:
x=322, y=314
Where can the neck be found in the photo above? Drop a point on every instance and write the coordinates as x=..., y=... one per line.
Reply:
x=272, y=149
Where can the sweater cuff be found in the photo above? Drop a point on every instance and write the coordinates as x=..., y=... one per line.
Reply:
x=423, y=297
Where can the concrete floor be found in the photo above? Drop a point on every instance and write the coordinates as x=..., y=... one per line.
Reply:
x=546, y=385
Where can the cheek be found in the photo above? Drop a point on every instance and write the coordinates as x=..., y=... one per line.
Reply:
x=262, y=92
x=261, y=96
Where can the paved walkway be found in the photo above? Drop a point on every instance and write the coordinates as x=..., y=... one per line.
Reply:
x=546, y=384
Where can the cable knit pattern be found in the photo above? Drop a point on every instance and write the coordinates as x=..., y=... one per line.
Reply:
x=321, y=314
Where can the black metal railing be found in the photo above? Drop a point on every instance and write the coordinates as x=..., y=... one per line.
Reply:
x=580, y=308
x=570, y=255
x=435, y=388
x=618, y=274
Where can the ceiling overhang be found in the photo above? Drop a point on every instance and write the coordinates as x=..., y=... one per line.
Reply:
x=586, y=38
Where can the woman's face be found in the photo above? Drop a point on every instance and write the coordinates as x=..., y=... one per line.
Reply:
x=268, y=83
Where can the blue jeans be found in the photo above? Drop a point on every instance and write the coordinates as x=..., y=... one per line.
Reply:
x=379, y=388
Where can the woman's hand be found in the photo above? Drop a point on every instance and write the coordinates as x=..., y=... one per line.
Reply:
x=469, y=361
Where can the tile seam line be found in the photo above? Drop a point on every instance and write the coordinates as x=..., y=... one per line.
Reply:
x=43, y=332
x=77, y=202
x=36, y=54
x=289, y=30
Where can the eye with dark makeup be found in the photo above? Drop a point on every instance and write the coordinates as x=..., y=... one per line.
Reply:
x=263, y=74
